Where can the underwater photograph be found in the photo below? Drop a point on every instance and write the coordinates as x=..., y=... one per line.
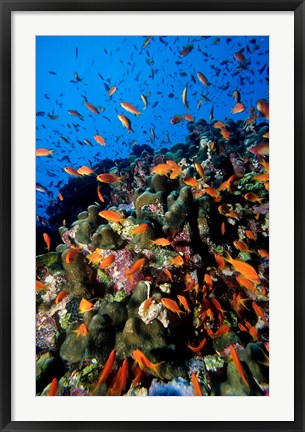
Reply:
x=152, y=215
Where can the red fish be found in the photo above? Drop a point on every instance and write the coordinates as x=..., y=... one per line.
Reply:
x=61, y=296
x=99, y=139
x=136, y=267
x=203, y=79
x=171, y=305
x=186, y=50
x=197, y=389
x=125, y=122
x=47, y=240
x=143, y=362
x=91, y=108
x=71, y=254
x=106, y=370
x=263, y=107
x=238, y=365
x=199, y=347
x=53, y=387
x=111, y=216
x=183, y=302
x=130, y=108
x=108, y=178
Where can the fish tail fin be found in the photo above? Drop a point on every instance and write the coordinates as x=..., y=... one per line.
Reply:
x=227, y=257
x=130, y=130
x=156, y=369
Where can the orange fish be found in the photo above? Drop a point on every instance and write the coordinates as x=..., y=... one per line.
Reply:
x=238, y=365
x=199, y=169
x=244, y=268
x=221, y=331
x=241, y=246
x=140, y=229
x=197, y=389
x=262, y=177
x=245, y=283
x=143, y=362
x=188, y=117
x=71, y=254
x=253, y=332
x=239, y=302
x=251, y=196
x=47, y=240
x=130, y=108
x=99, y=139
x=259, y=312
x=222, y=228
x=240, y=57
x=177, y=261
x=84, y=170
x=173, y=165
x=161, y=242
x=91, y=108
x=183, y=302
x=220, y=261
x=212, y=193
x=225, y=133
x=85, y=306
x=161, y=169
x=224, y=210
x=61, y=296
x=95, y=257
x=71, y=171
x=219, y=125
x=43, y=152
x=60, y=197
x=190, y=181
x=107, y=262
x=261, y=149
x=147, y=304
x=227, y=185
x=208, y=280
x=186, y=50
x=82, y=330
x=74, y=113
x=99, y=194
x=106, y=370
x=112, y=90
x=216, y=305
x=199, y=347
x=111, y=216
x=177, y=119
x=168, y=274
x=120, y=380
x=136, y=267
x=53, y=387
x=263, y=253
x=40, y=286
x=108, y=178
x=263, y=107
x=125, y=122
x=203, y=79
x=238, y=108
x=250, y=235
x=171, y=305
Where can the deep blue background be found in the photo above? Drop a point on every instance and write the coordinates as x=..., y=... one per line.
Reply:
x=105, y=61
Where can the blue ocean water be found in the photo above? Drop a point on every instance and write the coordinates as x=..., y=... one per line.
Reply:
x=74, y=70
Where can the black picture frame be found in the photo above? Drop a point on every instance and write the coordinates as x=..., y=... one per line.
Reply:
x=6, y=8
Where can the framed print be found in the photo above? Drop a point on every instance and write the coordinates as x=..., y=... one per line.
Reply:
x=151, y=190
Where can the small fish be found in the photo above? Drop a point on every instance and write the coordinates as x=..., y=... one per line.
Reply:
x=199, y=169
x=144, y=100
x=178, y=261
x=208, y=280
x=72, y=254
x=100, y=140
x=112, y=90
x=252, y=197
x=99, y=194
x=42, y=189
x=190, y=181
x=263, y=253
x=84, y=170
x=203, y=79
x=40, y=286
x=82, y=330
x=136, y=267
x=199, y=347
x=140, y=229
x=238, y=108
x=111, y=216
x=186, y=50
x=182, y=300
x=43, y=152
x=197, y=389
x=161, y=242
x=47, y=240
x=220, y=261
x=161, y=169
x=120, y=380
x=242, y=246
x=213, y=193
x=53, y=387
x=74, y=113
x=61, y=296
x=259, y=312
x=240, y=57
x=71, y=171
x=87, y=142
x=177, y=119
x=188, y=117
x=250, y=235
x=107, y=262
x=108, y=178
x=238, y=365
x=91, y=108
x=146, y=41
x=262, y=177
x=225, y=133
x=236, y=96
x=246, y=283
x=144, y=362
x=171, y=305
x=263, y=107
x=216, y=305
x=130, y=108
x=168, y=274
x=184, y=100
x=125, y=122
x=222, y=228
x=106, y=370
x=244, y=268
x=261, y=149
x=85, y=306
x=60, y=197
